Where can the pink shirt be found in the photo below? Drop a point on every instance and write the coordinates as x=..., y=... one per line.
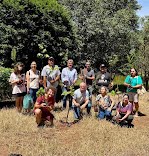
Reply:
x=124, y=109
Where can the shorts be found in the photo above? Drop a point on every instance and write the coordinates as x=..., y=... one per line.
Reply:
x=134, y=97
x=19, y=95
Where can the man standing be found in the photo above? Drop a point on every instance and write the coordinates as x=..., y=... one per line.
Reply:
x=80, y=101
x=87, y=75
x=68, y=77
x=103, y=78
x=51, y=74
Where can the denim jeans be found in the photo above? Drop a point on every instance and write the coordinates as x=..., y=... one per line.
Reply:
x=32, y=92
x=104, y=113
x=65, y=98
x=90, y=90
x=77, y=112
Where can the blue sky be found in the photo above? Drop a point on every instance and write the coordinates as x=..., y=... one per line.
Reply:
x=145, y=8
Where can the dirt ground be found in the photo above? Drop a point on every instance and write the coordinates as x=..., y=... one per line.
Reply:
x=89, y=137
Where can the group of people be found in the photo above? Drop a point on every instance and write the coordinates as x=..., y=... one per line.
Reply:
x=50, y=78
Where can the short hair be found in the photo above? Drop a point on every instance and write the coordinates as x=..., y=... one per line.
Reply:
x=70, y=60
x=52, y=88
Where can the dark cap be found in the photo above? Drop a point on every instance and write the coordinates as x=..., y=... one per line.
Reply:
x=102, y=65
x=51, y=58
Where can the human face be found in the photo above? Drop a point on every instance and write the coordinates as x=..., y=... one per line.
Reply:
x=33, y=65
x=125, y=99
x=87, y=65
x=133, y=72
x=103, y=69
x=70, y=64
x=50, y=93
x=51, y=62
x=82, y=87
x=103, y=90
x=20, y=67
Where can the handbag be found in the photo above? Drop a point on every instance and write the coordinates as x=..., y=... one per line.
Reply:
x=141, y=90
x=27, y=101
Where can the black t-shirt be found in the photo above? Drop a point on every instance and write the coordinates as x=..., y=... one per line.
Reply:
x=103, y=79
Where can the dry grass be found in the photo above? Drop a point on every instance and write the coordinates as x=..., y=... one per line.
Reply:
x=90, y=137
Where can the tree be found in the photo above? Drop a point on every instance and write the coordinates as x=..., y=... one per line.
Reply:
x=32, y=28
x=104, y=27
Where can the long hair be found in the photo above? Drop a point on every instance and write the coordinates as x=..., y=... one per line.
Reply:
x=16, y=70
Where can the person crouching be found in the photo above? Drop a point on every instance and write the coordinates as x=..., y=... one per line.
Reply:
x=43, y=107
x=80, y=101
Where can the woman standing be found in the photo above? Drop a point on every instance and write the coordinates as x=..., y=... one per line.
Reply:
x=33, y=80
x=17, y=80
x=133, y=82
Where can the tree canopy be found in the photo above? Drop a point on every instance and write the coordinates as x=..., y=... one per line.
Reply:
x=33, y=30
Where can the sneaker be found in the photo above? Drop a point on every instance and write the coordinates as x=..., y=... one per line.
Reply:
x=136, y=115
x=40, y=125
x=48, y=124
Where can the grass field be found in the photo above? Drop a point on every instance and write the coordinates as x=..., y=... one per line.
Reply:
x=90, y=137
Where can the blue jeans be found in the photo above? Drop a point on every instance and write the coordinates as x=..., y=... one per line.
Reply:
x=90, y=90
x=104, y=113
x=32, y=92
x=65, y=98
x=77, y=112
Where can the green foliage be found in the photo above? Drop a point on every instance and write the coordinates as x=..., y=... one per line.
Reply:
x=5, y=87
x=40, y=92
x=35, y=28
x=69, y=92
x=104, y=28
x=119, y=79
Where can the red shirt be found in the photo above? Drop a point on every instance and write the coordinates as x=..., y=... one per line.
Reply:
x=50, y=101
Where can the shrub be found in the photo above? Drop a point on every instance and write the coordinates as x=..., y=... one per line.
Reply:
x=5, y=87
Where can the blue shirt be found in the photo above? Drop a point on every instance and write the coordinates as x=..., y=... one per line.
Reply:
x=133, y=81
x=69, y=75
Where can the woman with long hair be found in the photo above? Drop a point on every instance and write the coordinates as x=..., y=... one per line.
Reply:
x=17, y=80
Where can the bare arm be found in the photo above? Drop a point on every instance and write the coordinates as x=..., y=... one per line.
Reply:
x=28, y=80
x=75, y=103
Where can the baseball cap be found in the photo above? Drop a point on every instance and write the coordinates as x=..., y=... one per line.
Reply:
x=51, y=58
x=102, y=65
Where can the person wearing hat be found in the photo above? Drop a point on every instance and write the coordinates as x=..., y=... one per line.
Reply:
x=50, y=74
x=103, y=78
x=87, y=76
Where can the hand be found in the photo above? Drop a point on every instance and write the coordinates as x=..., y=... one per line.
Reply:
x=77, y=104
x=82, y=107
x=129, y=86
x=41, y=81
x=27, y=91
x=52, y=81
x=43, y=105
x=109, y=109
x=120, y=120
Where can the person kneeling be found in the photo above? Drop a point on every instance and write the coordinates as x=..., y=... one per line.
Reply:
x=80, y=101
x=104, y=103
x=124, y=112
x=43, y=107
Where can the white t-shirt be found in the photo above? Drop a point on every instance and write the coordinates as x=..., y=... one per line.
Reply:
x=80, y=97
x=17, y=88
x=34, y=79
x=51, y=74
